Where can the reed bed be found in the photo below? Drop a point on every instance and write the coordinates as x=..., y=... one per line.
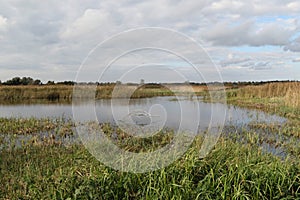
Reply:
x=48, y=92
x=65, y=93
x=280, y=98
x=288, y=92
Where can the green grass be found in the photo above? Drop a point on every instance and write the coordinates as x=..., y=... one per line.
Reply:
x=30, y=126
x=231, y=171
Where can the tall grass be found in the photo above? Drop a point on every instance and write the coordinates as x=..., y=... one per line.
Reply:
x=62, y=92
x=280, y=98
x=292, y=96
x=289, y=92
x=54, y=170
x=65, y=92
x=19, y=93
x=231, y=171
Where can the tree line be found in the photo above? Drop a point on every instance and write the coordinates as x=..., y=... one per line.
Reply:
x=31, y=81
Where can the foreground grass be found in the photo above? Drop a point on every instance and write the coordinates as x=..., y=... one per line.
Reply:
x=235, y=169
x=231, y=171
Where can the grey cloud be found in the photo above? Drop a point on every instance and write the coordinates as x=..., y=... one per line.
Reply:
x=223, y=34
x=249, y=64
x=293, y=45
x=233, y=61
x=248, y=33
x=261, y=66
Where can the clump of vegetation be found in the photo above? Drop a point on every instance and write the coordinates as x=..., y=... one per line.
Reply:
x=137, y=144
x=30, y=126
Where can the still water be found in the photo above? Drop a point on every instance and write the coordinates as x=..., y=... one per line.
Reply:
x=162, y=111
x=152, y=114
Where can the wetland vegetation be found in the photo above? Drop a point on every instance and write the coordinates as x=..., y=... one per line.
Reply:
x=44, y=159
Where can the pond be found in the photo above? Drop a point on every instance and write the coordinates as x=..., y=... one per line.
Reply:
x=162, y=110
x=157, y=112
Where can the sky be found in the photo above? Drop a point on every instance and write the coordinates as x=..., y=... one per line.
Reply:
x=245, y=40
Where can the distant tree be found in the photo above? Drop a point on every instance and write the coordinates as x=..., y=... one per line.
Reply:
x=26, y=81
x=50, y=83
x=66, y=83
x=22, y=81
x=37, y=82
x=13, y=81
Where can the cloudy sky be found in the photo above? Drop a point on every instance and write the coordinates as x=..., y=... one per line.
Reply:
x=247, y=40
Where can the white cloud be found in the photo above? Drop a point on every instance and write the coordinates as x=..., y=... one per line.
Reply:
x=91, y=21
x=3, y=22
x=3, y=26
x=294, y=6
x=296, y=60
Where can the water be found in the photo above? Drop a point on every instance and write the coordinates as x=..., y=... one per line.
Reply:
x=157, y=112
x=162, y=110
